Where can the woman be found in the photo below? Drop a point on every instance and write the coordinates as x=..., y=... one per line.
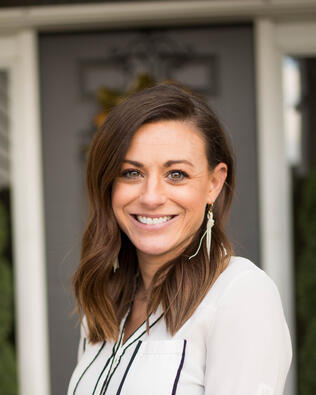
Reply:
x=166, y=307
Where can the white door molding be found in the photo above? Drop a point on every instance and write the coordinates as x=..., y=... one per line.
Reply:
x=18, y=56
x=296, y=38
x=149, y=13
x=274, y=188
x=273, y=42
x=274, y=181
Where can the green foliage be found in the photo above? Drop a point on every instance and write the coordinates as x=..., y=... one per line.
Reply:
x=307, y=361
x=6, y=300
x=306, y=288
x=306, y=283
x=308, y=211
x=306, y=276
x=8, y=385
x=3, y=229
x=8, y=382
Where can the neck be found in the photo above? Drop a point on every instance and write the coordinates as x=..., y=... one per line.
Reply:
x=150, y=264
x=148, y=268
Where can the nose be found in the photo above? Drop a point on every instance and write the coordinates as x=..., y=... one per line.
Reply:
x=153, y=193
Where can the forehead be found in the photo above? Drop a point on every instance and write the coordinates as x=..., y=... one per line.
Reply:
x=168, y=140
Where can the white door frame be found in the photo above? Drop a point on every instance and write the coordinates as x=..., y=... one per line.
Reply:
x=273, y=42
x=272, y=39
x=18, y=57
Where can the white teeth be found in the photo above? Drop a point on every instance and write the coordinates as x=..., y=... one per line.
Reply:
x=151, y=221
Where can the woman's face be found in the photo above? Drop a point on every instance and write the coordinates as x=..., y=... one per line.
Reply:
x=159, y=199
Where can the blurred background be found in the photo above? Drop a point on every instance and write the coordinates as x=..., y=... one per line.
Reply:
x=63, y=65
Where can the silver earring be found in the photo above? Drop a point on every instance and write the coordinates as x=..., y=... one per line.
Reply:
x=116, y=265
x=208, y=233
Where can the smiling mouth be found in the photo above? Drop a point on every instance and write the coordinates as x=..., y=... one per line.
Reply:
x=153, y=220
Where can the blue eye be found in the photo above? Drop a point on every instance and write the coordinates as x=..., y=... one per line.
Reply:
x=177, y=175
x=131, y=174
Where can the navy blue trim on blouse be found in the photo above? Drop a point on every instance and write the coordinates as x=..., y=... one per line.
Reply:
x=150, y=326
x=108, y=378
x=114, y=350
x=128, y=367
x=175, y=384
x=82, y=374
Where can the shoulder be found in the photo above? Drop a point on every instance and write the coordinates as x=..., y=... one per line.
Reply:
x=84, y=337
x=242, y=282
x=84, y=331
x=246, y=335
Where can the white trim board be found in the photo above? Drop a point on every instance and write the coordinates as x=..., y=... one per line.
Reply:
x=274, y=201
x=296, y=38
x=274, y=181
x=143, y=13
x=18, y=57
x=273, y=41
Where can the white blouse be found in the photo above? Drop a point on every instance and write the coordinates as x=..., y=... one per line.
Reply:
x=236, y=343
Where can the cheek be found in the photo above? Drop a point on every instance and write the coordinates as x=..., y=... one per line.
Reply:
x=122, y=195
x=117, y=198
x=117, y=204
x=193, y=199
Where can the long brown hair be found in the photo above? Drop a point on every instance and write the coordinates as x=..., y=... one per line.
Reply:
x=179, y=286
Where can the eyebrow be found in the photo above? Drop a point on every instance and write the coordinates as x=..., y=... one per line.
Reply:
x=166, y=164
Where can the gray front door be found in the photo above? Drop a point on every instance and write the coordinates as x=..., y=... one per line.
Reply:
x=216, y=61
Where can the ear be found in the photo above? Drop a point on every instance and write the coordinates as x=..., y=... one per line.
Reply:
x=217, y=178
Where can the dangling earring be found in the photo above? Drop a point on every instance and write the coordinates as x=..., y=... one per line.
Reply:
x=116, y=265
x=210, y=224
x=208, y=233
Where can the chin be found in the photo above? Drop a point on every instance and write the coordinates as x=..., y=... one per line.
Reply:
x=159, y=248
x=161, y=251
x=153, y=250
